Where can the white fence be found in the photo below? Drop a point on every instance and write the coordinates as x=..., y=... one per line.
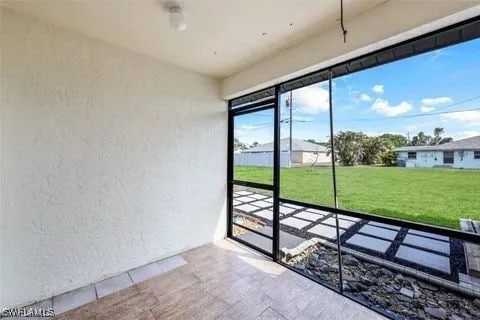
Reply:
x=264, y=159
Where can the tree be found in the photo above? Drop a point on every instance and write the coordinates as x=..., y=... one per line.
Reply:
x=237, y=145
x=353, y=148
x=437, y=137
x=373, y=148
x=348, y=147
x=395, y=140
x=312, y=141
x=437, y=132
x=446, y=140
x=389, y=158
x=421, y=139
x=391, y=141
x=254, y=144
x=317, y=142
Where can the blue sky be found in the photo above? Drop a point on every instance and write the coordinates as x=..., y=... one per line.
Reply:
x=378, y=100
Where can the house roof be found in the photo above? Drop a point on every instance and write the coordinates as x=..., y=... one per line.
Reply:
x=297, y=145
x=463, y=144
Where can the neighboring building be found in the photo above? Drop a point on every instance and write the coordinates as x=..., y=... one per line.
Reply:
x=303, y=152
x=463, y=153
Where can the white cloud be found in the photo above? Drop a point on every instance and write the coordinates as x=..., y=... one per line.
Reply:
x=471, y=117
x=421, y=126
x=365, y=97
x=378, y=88
x=436, y=101
x=311, y=99
x=248, y=133
x=248, y=127
x=434, y=55
x=383, y=107
x=302, y=118
x=426, y=109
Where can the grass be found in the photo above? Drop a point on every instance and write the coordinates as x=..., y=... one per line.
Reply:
x=430, y=195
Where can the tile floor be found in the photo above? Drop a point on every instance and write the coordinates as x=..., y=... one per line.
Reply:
x=221, y=281
x=63, y=303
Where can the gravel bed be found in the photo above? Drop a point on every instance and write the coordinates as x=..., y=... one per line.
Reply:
x=396, y=295
x=246, y=221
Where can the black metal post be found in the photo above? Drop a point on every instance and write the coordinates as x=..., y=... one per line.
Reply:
x=334, y=180
x=291, y=124
x=230, y=150
x=276, y=175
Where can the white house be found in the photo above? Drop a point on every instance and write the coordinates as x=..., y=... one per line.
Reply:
x=303, y=152
x=463, y=153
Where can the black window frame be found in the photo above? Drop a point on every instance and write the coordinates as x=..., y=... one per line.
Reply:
x=476, y=154
x=414, y=157
x=452, y=157
x=451, y=35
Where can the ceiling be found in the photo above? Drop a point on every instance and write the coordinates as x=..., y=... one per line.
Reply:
x=222, y=37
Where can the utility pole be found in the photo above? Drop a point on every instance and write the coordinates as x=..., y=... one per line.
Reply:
x=289, y=105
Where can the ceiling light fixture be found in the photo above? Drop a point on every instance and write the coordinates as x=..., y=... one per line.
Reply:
x=177, y=18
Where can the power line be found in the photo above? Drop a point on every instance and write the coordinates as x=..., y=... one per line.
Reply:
x=413, y=115
x=455, y=104
x=424, y=114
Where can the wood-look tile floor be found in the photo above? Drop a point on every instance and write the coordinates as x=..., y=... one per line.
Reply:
x=224, y=280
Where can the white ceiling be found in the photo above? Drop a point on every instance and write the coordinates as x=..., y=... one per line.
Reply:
x=222, y=37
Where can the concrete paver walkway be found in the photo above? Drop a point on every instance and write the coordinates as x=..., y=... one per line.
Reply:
x=414, y=247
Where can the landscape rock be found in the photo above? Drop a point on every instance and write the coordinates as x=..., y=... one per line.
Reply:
x=476, y=302
x=357, y=286
x=388, y=289
x=386, y=272
x=416, y=290
x=300, y=267
x=349, y=260
x=402, y=297
x=437, y=313
x=427, y=286
x=398, y=277
x=406, y=292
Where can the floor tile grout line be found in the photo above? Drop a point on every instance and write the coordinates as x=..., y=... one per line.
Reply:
x=96, y=292
x=94, y=285
x=130, y=276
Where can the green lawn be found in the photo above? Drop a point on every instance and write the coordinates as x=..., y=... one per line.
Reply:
x=429, y=195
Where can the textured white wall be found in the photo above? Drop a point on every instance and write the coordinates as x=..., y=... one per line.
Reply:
x=109, y=160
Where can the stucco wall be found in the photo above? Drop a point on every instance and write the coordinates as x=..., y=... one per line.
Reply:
x=311, y=157
x=297, y=157
x=428, y=159
x=100, y=150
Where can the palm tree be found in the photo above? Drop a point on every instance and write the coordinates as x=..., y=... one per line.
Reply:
x=373, y=150
x=348, y=147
